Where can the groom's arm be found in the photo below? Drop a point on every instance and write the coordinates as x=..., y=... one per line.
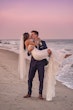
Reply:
x=43, y=45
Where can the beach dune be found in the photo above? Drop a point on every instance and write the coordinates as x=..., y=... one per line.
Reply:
x=12, y=89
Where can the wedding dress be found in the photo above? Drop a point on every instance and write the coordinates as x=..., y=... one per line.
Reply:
x=55, y=61
x=39, y=54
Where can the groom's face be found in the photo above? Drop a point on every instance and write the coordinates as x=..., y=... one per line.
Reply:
x=34, y=36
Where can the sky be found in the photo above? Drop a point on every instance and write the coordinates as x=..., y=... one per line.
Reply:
x=52, y=18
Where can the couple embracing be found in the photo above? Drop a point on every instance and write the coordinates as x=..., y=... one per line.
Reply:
x=32, y=45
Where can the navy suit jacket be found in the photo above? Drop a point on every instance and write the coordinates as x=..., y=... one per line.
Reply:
x=40, y=47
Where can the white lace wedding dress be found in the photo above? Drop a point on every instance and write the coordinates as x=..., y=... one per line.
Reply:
x=55, y=61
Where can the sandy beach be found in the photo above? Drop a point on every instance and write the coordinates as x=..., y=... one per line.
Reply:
x=12, y=89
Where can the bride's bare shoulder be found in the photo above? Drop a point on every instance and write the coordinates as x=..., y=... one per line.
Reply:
x=27, y=42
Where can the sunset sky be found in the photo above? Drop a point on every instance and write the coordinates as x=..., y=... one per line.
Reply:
x=52, y=18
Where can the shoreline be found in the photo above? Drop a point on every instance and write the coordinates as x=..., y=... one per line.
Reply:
x=12, y=51
x=12, y=89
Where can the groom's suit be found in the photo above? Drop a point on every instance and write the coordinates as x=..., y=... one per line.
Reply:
x=37, y=65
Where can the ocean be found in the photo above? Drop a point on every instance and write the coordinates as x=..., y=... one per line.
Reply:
x=65, y=74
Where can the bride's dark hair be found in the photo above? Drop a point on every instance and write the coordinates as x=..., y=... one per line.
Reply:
x=25, y=37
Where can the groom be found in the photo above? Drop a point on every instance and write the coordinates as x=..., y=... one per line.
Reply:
x=36, y=65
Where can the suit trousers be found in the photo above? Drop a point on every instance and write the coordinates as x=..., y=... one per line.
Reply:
x=36, y=65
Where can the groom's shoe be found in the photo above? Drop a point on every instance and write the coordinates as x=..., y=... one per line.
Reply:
x=27, y=96
x=40, y=97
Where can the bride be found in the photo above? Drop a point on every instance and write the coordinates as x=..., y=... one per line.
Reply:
x=55, y=60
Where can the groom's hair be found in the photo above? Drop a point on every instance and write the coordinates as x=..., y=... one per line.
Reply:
x=36, y=32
